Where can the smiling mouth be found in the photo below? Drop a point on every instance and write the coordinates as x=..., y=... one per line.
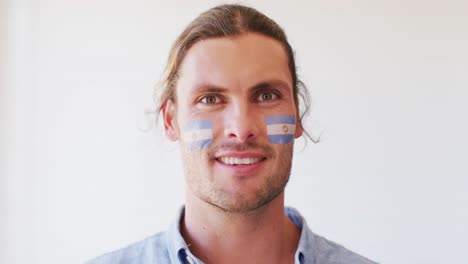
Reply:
x=240, y=161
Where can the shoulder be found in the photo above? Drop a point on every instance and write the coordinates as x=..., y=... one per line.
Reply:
x=329, y=252
x=316, y=249
x=152, y=249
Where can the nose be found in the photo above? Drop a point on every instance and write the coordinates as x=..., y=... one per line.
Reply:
x=241, y=123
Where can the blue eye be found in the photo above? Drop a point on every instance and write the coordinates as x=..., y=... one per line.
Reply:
x=267, y=96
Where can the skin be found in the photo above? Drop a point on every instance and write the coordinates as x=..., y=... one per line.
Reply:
x=235, y=213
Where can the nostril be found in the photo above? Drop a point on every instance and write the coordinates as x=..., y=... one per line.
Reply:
x=251, y=135
x=241, y=136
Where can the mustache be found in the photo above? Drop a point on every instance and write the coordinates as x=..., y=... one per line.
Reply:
x=240, y=147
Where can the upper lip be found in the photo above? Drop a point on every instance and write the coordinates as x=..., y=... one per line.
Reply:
x=240, y=155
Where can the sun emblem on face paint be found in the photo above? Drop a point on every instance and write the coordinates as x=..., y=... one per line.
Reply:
x=285, y=129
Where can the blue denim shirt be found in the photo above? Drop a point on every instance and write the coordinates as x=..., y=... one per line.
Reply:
x=170, y=247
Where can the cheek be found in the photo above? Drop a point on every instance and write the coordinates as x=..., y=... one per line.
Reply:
x=197, y=134
x=281, y=128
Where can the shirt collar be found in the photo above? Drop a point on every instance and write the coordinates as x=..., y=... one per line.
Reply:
x=179, y=250
x=306, y=240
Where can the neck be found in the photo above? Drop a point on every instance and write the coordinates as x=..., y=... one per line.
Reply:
x=265, y=235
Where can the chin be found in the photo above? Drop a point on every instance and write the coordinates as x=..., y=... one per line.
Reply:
x=238, y=202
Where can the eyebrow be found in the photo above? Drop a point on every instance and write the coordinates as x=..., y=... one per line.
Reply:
x=209, y=88
x=206, y=87
x=270, y=84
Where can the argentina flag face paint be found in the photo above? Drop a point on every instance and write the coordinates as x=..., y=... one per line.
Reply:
x=198, y=134
x=281, y=128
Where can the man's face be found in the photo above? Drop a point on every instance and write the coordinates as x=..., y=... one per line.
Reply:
x=234, y=84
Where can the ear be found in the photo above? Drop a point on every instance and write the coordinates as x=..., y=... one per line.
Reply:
x=170, y=123
x=299, y=128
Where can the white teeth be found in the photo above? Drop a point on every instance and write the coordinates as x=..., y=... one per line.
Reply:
x=238, y=161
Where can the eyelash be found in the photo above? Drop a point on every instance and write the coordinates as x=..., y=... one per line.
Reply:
x=203, y=100
x=218, y=99
x=274, y=96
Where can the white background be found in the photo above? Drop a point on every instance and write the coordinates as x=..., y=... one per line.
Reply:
x=389, y=84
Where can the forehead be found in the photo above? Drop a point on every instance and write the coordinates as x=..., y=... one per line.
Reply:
x=236, y=62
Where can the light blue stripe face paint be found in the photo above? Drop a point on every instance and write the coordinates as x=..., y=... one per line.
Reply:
x=281, y=139
x=281, y=128
x=198, y=124
x=198, y=134
x=280, y=119
x=199, y=145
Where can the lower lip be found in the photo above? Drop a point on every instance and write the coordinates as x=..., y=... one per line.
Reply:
x=241, y=170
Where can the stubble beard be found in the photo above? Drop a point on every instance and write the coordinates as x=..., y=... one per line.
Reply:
x=202, y=184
